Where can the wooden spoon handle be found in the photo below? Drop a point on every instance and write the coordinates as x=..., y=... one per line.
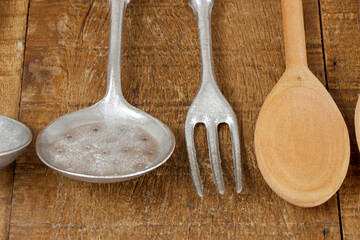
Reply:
x=294, y=33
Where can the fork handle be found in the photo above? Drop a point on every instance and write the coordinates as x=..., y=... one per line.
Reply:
x=202, y=10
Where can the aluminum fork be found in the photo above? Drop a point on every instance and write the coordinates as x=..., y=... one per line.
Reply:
x=210, y=108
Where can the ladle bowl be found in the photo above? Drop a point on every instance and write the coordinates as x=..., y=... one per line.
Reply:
x=14, y=138
x=105, y=143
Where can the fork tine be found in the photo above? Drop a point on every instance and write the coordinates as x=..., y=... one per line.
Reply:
x=194, y=167
x=236, y=155
x=214, y=154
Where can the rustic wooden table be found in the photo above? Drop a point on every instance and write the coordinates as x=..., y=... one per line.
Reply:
x=53, y=61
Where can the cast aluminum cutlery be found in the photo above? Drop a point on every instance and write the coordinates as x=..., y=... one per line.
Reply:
x=14, y=138
x=210, y=108
x=110, y=141
x=301, y=139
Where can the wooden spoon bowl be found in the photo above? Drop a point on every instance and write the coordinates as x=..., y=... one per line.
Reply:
x=357, y=122
x=301, y=139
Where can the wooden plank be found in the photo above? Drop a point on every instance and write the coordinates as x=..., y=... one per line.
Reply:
x=13, y=18
x=65, y=70
x=341, y=24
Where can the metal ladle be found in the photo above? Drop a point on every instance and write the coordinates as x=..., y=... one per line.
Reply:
x=110, y=141
x=14, y=138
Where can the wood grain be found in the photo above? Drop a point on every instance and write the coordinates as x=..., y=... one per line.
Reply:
x=65, y=70
x=340, y=21
x=13, y=18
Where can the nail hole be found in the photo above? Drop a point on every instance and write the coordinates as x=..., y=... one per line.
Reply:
x=59, y=150
x=96, y=129
x=145, y=139
x=150, y=152
x=87, y=147
x=126, y=150
x=105, y=152
x=69, y=136
x=122, y=129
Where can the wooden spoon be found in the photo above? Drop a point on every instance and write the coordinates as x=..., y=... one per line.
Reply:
x=301, y=140
x=357, y=122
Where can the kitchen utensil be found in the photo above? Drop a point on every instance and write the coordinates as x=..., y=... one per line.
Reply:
x=357, y=123
x=210, y=108
x=110, y=141
x=301, y=140
x=14, y=138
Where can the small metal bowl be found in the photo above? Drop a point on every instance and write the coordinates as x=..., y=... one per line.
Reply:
x=14, y=138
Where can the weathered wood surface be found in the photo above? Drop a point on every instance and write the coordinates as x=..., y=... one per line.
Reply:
x=341, y=29
x=65, y=70
x=13, y=18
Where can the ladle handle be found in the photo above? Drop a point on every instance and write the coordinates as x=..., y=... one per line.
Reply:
x=117, y=8
x=202, y=10
x=294, y=32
